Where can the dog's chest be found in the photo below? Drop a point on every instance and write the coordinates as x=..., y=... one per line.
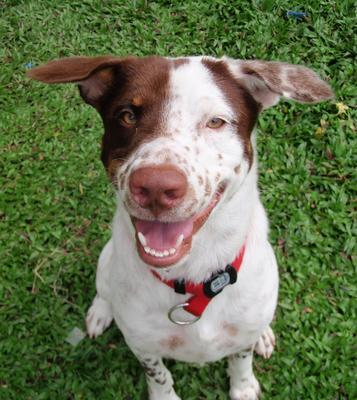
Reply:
x=233, y=320
x=225, y=328
x=204, y=341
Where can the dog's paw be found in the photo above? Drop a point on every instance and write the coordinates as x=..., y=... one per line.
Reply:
x=99, y=317
x=245, y=390
x=265, y=345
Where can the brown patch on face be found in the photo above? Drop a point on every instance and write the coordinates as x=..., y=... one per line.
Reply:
x=230, y=329
x=172, y=342
x=217, y=178
x=237, y=169
x=200, y=180
x=220, y=157
x=141, y=85
x=244, y=105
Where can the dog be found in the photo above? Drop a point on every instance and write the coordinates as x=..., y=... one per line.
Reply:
x=189, y=273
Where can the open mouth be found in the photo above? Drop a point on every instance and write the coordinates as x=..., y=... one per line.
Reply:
x=162, y=244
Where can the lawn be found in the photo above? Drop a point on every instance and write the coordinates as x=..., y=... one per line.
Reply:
x=56, y=203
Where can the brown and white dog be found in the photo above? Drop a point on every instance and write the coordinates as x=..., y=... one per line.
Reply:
x=179, y=148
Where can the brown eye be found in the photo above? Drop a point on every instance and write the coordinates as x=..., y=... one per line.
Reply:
x=215, y=123
x=127, y=117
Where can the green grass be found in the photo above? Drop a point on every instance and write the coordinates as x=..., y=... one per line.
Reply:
x=56, y=203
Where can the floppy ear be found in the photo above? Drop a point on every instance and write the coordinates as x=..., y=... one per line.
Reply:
x=267, y=81
x=93, y=74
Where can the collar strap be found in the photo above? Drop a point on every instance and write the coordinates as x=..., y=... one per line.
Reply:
x=204, y=292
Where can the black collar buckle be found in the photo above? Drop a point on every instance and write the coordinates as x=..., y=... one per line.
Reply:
x=214, y=285
x=219, y=281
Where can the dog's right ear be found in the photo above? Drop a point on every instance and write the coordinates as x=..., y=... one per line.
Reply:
x=94, y=75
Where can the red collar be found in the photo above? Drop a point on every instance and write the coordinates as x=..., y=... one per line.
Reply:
x=203, y=292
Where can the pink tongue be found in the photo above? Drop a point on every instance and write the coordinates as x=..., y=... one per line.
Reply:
x=161, y=235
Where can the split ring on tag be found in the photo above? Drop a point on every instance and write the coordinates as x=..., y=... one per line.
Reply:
x=177, y=321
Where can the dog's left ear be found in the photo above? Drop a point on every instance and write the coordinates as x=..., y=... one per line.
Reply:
x=267, y=81
x=94, y=75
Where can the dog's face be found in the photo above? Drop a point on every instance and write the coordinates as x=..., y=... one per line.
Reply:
x=177, y=140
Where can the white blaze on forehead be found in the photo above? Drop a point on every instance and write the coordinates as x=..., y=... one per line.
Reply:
x=194, y=95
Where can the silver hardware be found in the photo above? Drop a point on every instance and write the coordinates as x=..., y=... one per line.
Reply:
x=177, y=321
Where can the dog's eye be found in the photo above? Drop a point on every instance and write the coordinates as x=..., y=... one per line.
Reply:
x=127, y=117
x=215, y=123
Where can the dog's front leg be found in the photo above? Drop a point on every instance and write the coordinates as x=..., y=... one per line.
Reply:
x=243, y=384
x=158, y=377
x=99, y=315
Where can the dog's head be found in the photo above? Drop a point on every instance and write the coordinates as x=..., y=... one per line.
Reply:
x=178, y=133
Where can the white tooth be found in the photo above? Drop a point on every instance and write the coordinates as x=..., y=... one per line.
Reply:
x=147, y=249
x=172, y=251
x=159, y=254
x=142, y=239
x=152, y=252
x=179, y=240
x=166, y=253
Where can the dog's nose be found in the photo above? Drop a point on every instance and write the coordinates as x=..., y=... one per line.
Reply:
x=159, y=187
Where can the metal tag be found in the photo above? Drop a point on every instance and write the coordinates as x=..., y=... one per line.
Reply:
x=220, y=282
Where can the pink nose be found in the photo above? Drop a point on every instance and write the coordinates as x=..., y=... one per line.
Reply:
x=158, y=188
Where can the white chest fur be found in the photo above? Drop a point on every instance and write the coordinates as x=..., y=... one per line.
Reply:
x=233, y=320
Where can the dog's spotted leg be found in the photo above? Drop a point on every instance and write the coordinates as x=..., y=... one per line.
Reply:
x=265, y=345
x=243, y=384
x=99, y=317
x=159, y=379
